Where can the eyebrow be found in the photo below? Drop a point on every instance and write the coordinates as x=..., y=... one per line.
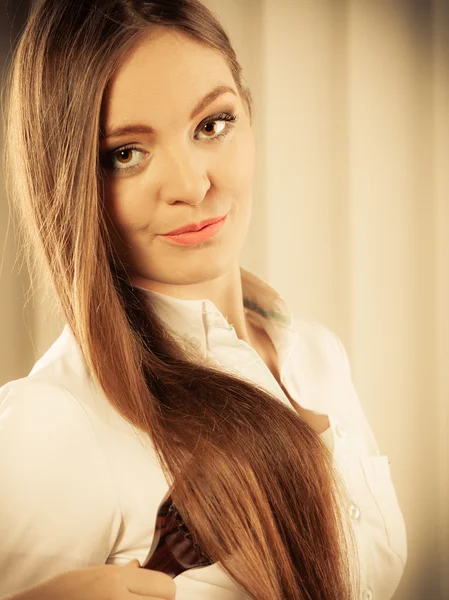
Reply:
x=136, y=128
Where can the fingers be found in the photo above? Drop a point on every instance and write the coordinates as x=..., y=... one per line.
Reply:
x=133, y=563
x=153, y=585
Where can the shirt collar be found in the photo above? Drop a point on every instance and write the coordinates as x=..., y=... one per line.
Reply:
x=192, y=319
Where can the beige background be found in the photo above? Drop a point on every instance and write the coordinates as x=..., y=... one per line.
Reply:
x=351, y=224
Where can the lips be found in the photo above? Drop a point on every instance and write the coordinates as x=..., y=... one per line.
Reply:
x=195, y=226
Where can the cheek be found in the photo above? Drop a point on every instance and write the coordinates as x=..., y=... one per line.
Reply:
x=127, y=205
x=238, y=164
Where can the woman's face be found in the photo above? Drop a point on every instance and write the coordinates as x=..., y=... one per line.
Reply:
x=180, y=171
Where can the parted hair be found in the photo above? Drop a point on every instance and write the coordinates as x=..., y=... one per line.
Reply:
x=253, y=481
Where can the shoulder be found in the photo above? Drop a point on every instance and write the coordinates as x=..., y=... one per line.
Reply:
x=53, y=417
x=45, y=406
x=35, y=408
x=61, y=383
x=62, y=364
x=48, y=433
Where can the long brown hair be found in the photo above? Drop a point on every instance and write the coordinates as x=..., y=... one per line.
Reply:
x=253, y=481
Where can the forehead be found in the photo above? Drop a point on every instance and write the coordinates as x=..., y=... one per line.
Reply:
x=163, y=77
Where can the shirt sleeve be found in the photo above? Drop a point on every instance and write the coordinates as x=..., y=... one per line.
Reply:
x=58, y=507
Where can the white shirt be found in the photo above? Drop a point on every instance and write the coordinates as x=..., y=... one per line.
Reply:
x=80, y=486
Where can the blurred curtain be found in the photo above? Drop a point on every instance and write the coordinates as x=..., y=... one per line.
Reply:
x=350, y=224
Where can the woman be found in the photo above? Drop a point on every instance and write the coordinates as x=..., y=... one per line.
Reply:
x=178, y=371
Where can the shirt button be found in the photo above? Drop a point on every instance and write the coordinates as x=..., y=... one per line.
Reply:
x=354, y=513
x=367, y=594
x=340, y=431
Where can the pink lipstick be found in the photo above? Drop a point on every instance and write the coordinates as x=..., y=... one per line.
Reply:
x=191, y=238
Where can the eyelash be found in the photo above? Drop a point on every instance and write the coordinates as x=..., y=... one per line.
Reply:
x=230, y=119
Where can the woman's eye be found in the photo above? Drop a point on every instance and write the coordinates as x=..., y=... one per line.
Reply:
x=129, y=158
x=212, y=125
x=226, y=121
x=124, y=159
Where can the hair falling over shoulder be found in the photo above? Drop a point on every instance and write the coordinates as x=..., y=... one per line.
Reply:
x=269, y=509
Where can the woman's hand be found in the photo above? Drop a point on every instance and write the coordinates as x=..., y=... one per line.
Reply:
x=107, y=582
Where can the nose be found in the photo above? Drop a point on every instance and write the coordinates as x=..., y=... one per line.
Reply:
x=182, y=176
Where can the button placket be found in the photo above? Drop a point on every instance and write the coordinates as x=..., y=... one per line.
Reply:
x=340, y=440
x=339, y=432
